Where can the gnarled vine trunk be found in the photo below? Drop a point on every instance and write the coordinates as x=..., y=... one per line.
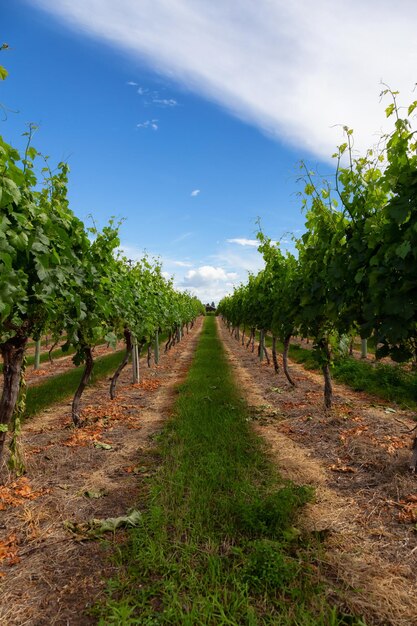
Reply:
x=167, y=346
x=285, y=360
x=12, y=351
x=115, y=377
x=89, y=364
x=328, y=388
x=274, y=354
x=261, y=345
x=51, y=349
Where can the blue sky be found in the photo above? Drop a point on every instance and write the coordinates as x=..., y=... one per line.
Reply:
x=189, y=118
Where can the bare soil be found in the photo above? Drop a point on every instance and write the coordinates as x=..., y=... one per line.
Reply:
x=356, y=457
x=48, y=576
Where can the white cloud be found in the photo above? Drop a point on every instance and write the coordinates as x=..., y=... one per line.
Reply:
x=254, y=243
x=207, y=274
x=195, y=193
x=209, y=282
x=148, y=124
x=132, y=83
x=293, y=69
x=142, y=91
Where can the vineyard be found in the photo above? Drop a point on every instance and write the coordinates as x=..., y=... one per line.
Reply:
x=355, y=267
x=163, y=466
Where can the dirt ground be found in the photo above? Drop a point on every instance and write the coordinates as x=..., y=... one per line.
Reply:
x=48, y=576
x=356, y=456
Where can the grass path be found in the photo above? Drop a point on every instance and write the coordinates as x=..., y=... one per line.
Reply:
x=217, y=544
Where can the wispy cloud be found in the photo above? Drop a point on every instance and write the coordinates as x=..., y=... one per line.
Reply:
x=148, y=124
x=182, y=263
x=293, y=69
x=132, y=83
x=182, y=237
x=254, y=243
x=151, y=97
x=165, y=102
x=195, y=193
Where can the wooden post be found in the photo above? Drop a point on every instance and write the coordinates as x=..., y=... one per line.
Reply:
x=37, y=355
x=261, y=345
x=156, y=350
x=135, y=363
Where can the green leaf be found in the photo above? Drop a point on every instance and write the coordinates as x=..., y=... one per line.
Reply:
x=7, y=260
x=3, y=428
x=390, y=110
x=412, y=106
x=403, y=249
x=10, y=192
x=359, y=275
x=96, y=527
x=32, y=152
x=3, y=73
x=103, y=446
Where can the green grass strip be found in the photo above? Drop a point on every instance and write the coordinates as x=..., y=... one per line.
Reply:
x=58, y=388
x=217, y=545
x=44, y=356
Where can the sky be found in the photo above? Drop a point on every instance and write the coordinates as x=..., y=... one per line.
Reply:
x=188, y=119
